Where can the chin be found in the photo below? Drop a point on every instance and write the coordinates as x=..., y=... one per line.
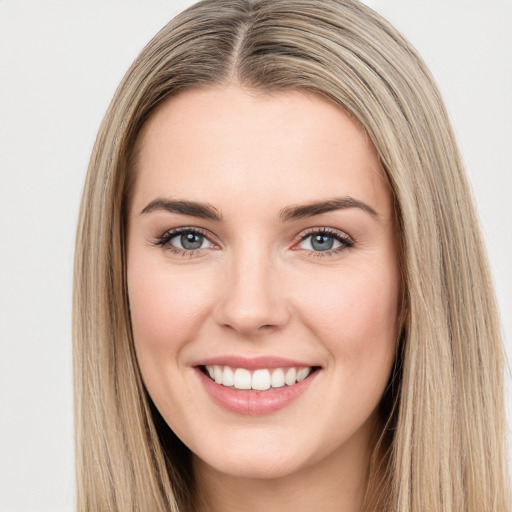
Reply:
x=262, y=460
x=257, y=469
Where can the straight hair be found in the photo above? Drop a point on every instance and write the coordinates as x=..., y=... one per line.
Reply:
x=443, y=445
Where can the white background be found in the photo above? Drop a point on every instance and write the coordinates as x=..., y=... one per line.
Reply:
x=60, y=62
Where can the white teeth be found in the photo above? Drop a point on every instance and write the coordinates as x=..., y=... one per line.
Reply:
x=242, y=378
x=302, y=373
x=228, y=378
x=259, y=380
x=277, y=378
x=217, y=374
x=291, y=376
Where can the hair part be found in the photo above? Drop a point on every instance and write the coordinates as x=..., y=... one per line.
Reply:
x=443, y=443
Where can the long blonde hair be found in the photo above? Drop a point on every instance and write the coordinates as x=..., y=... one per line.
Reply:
x=443, y=445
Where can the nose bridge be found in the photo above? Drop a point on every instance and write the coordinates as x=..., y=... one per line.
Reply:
x=251, y=296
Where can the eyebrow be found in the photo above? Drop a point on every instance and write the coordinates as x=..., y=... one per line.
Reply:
x=192, y=208
x=317, y=208
x=209, y=212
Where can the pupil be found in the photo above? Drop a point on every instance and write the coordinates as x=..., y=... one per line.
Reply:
x=322, y=242
x=191, y=241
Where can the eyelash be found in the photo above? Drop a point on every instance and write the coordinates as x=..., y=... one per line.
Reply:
x=165, y=239
x=346, y=241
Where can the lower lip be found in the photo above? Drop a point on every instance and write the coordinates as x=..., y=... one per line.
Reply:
x=254, y=403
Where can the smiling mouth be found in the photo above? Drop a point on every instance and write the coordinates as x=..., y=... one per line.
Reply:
x=261, y=379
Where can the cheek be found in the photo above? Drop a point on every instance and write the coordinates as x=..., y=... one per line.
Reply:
x=166, y=308
x=354, y=311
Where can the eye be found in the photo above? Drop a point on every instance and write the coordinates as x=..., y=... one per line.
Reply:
x=325, y=240
x=189, y=241
x=184, y=240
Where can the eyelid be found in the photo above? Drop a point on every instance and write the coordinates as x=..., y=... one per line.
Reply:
x=336, y=233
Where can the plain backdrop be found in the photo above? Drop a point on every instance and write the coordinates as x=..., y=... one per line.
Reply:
x=60, y=62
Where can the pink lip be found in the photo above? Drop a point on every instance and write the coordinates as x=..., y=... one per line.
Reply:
x=252, y=363
x=254, y=403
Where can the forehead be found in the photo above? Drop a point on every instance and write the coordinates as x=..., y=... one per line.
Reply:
x=219, y=142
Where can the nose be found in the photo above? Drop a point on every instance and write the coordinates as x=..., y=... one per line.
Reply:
x=252, y=299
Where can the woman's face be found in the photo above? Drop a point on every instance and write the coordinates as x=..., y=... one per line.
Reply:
x=262, y=250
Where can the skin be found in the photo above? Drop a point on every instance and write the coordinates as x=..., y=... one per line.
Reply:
x=258, y=287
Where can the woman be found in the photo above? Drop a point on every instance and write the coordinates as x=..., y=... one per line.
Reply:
x=282, y=299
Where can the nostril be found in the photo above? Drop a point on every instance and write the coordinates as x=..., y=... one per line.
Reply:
x=250, y=300
x=251, y=318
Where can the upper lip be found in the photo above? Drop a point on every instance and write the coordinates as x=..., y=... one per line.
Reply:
x=253, y=363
